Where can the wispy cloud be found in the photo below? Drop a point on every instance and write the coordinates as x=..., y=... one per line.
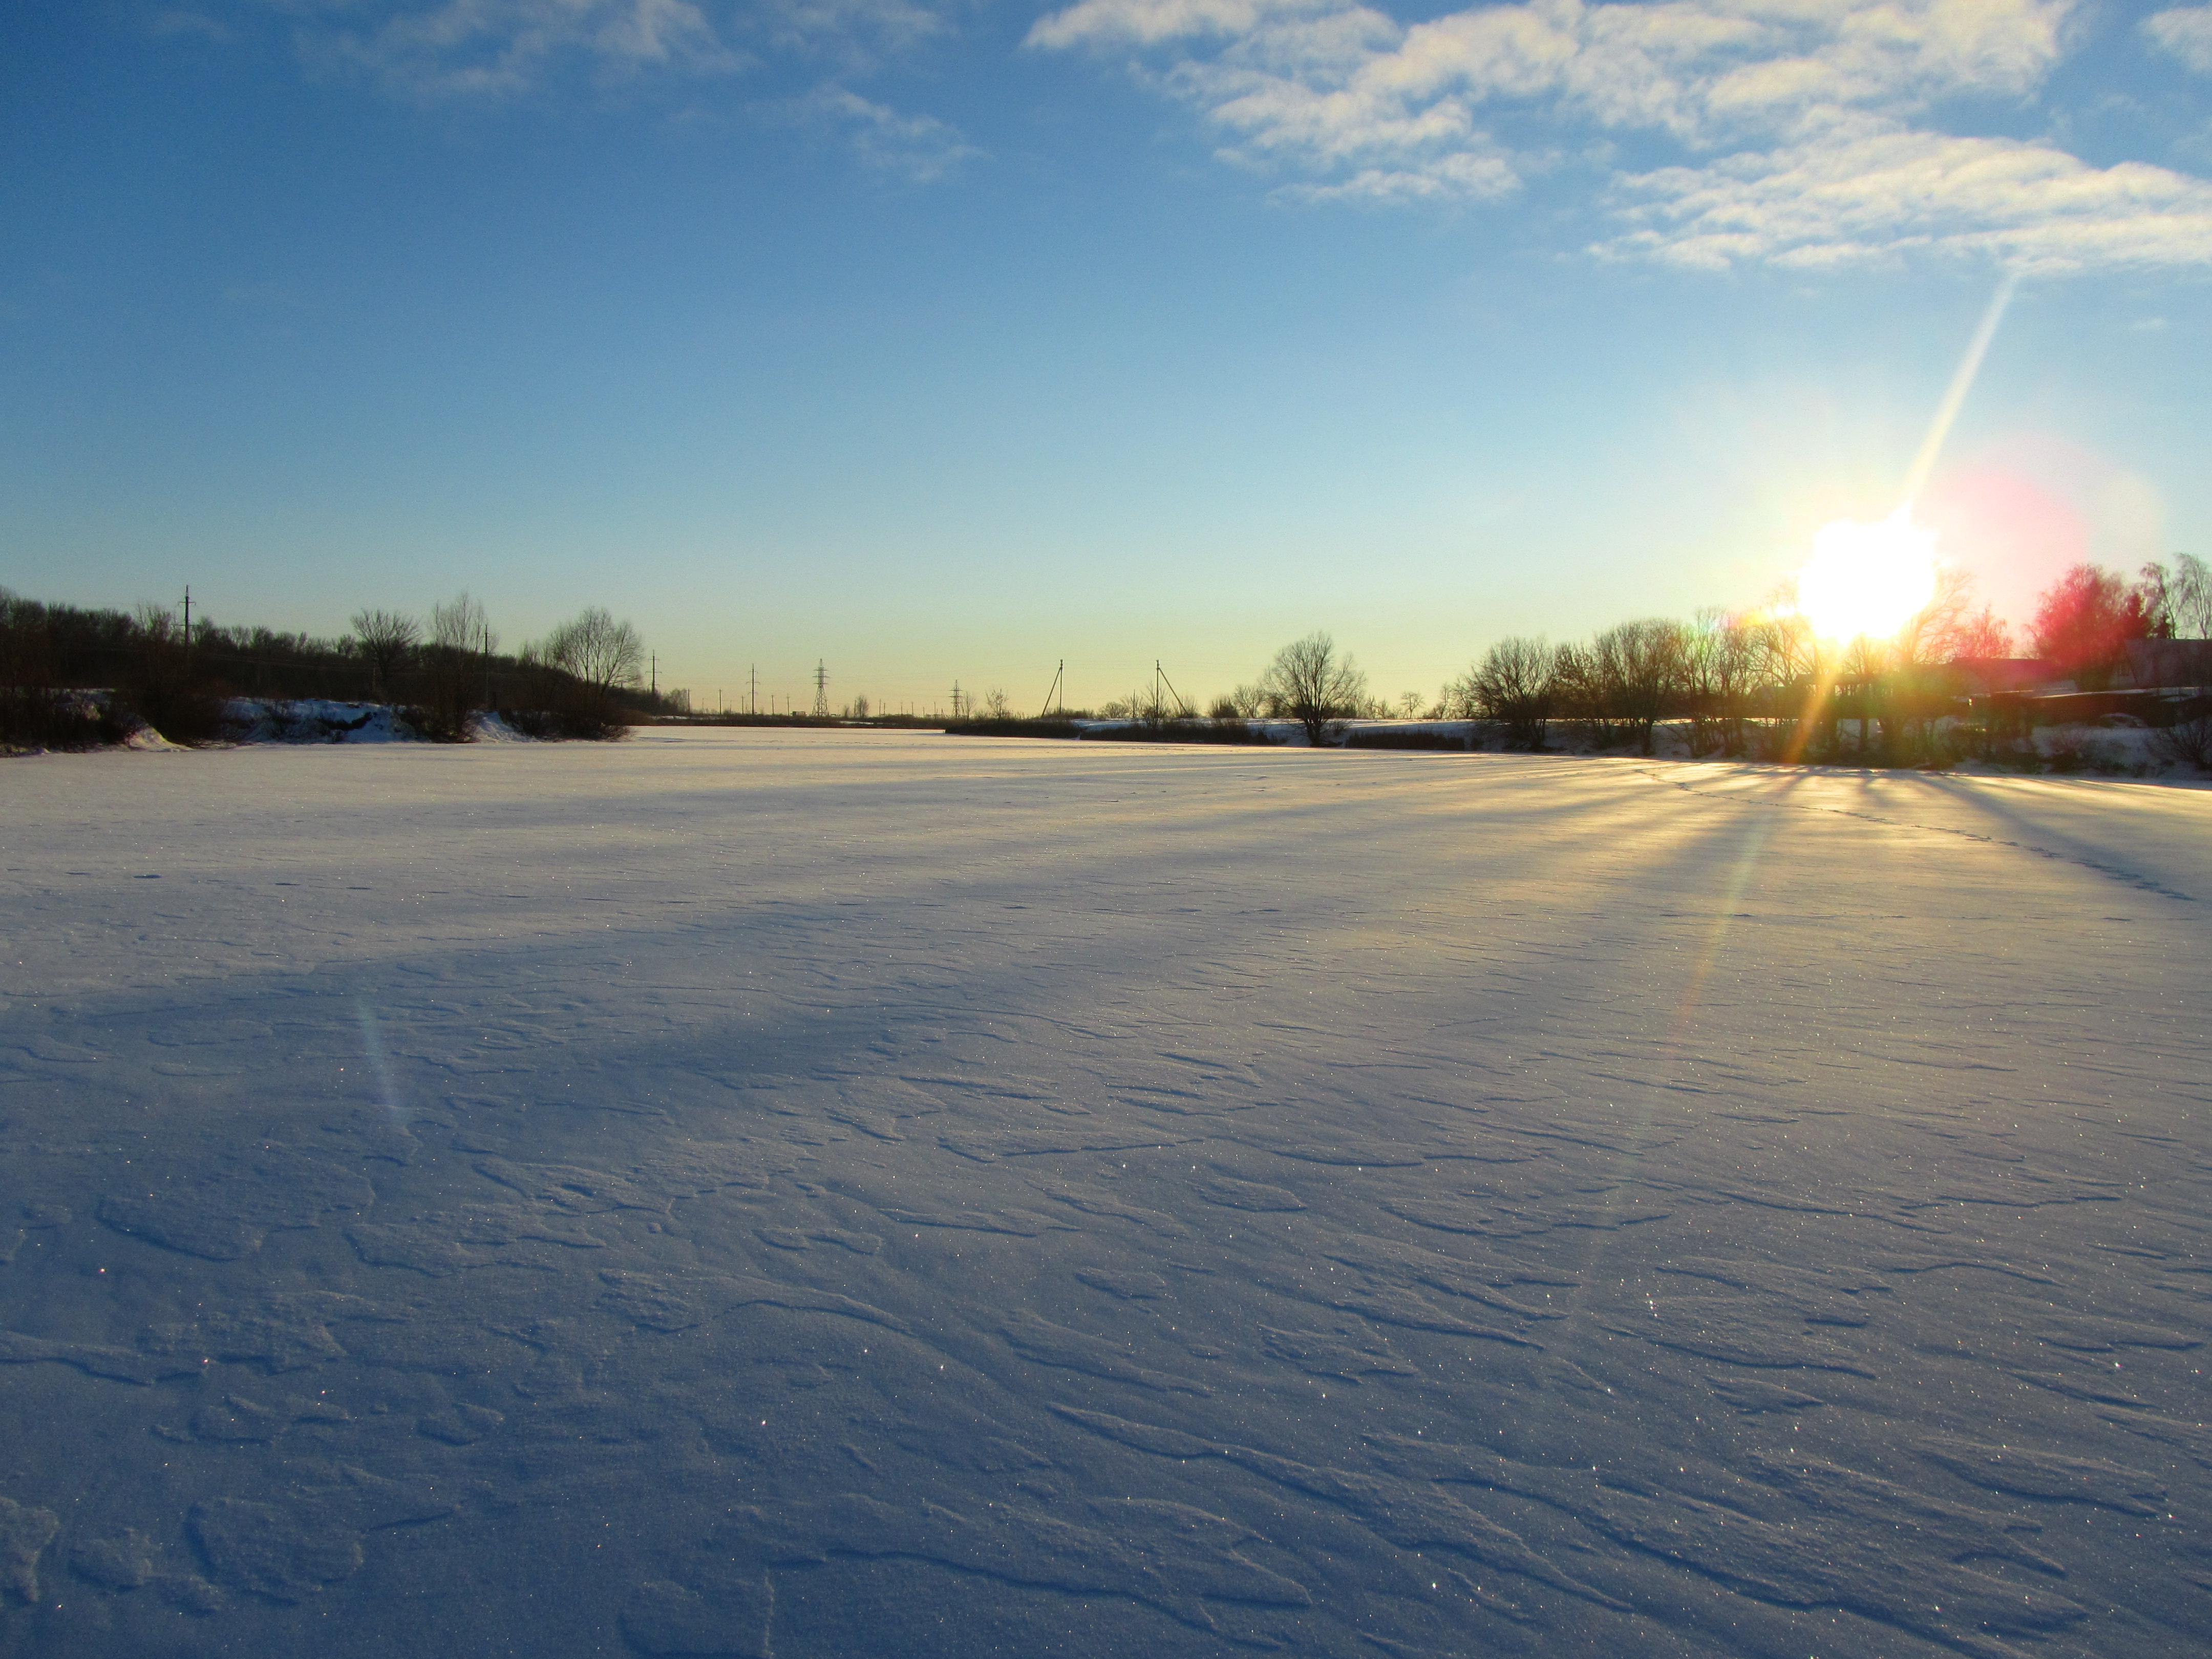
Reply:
x=920, y=148
x=181, y=20
x=1883, y=195
x=862, y=32
x=2186, y=32
x=444, y=49
x=477, y=47
x=464, y=50
x=1805, y=124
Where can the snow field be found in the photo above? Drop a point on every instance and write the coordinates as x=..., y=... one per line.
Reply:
x=824, y=1194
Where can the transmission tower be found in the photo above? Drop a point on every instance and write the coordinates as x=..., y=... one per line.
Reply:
x=821, y=690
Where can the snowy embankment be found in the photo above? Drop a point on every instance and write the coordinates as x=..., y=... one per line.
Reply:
x=322, y=719
x=745, y=1192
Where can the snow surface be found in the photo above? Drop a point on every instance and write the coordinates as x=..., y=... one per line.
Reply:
x=846, y=1193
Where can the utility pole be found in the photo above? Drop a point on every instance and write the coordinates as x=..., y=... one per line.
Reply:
x=1058, y=674
x=752, y=702
x=655, y=686
x=1160, y=679
x=821, y=690
x=188, y=628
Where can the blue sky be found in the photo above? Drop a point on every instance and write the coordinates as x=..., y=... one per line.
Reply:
x=944, y=340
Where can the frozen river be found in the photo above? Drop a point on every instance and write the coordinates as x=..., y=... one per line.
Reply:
x=831, y=1195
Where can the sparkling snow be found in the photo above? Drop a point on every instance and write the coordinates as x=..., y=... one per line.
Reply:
x=844, y=1194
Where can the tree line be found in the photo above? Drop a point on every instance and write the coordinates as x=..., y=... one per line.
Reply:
x=72, y=677
x=1756, y=682
x=1759, y=683
x=1764, y=683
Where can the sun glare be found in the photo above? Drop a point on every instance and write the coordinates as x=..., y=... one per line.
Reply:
x=1866, y=577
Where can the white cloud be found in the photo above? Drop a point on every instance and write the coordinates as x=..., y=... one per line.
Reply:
x=1804, y=119
x=1883, y=195
x=1147, y=22
x=1448, y=178
x=2186, y=32
x=918, y=148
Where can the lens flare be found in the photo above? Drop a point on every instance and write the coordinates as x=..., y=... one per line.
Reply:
x=1867, y=579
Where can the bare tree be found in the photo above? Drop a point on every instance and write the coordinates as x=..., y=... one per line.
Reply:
x=1787, y=650
x=455, y=658
x=1720, y=666
x=1933, y=634
x=1309, y=683
x=1635, y=674
x=596, y=649
x=25, y=651
x=1898, y=679
x=2189, y=597
x=1982, y=634
x=572, y=675
x=463, y=626
x=1516, y=681
x=382, y=639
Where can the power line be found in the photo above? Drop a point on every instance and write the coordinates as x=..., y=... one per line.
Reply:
x=821, y=689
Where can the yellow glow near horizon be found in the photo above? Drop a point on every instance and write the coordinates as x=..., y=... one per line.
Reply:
x=1867, y=579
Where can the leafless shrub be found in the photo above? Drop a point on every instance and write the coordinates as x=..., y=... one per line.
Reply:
x=2188, y=742
x=39, y=717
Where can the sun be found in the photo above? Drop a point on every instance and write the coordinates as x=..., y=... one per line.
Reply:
x=1867, y=579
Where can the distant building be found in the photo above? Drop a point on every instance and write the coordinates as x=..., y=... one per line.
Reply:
x=1986, y=676
x=2155, y=664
